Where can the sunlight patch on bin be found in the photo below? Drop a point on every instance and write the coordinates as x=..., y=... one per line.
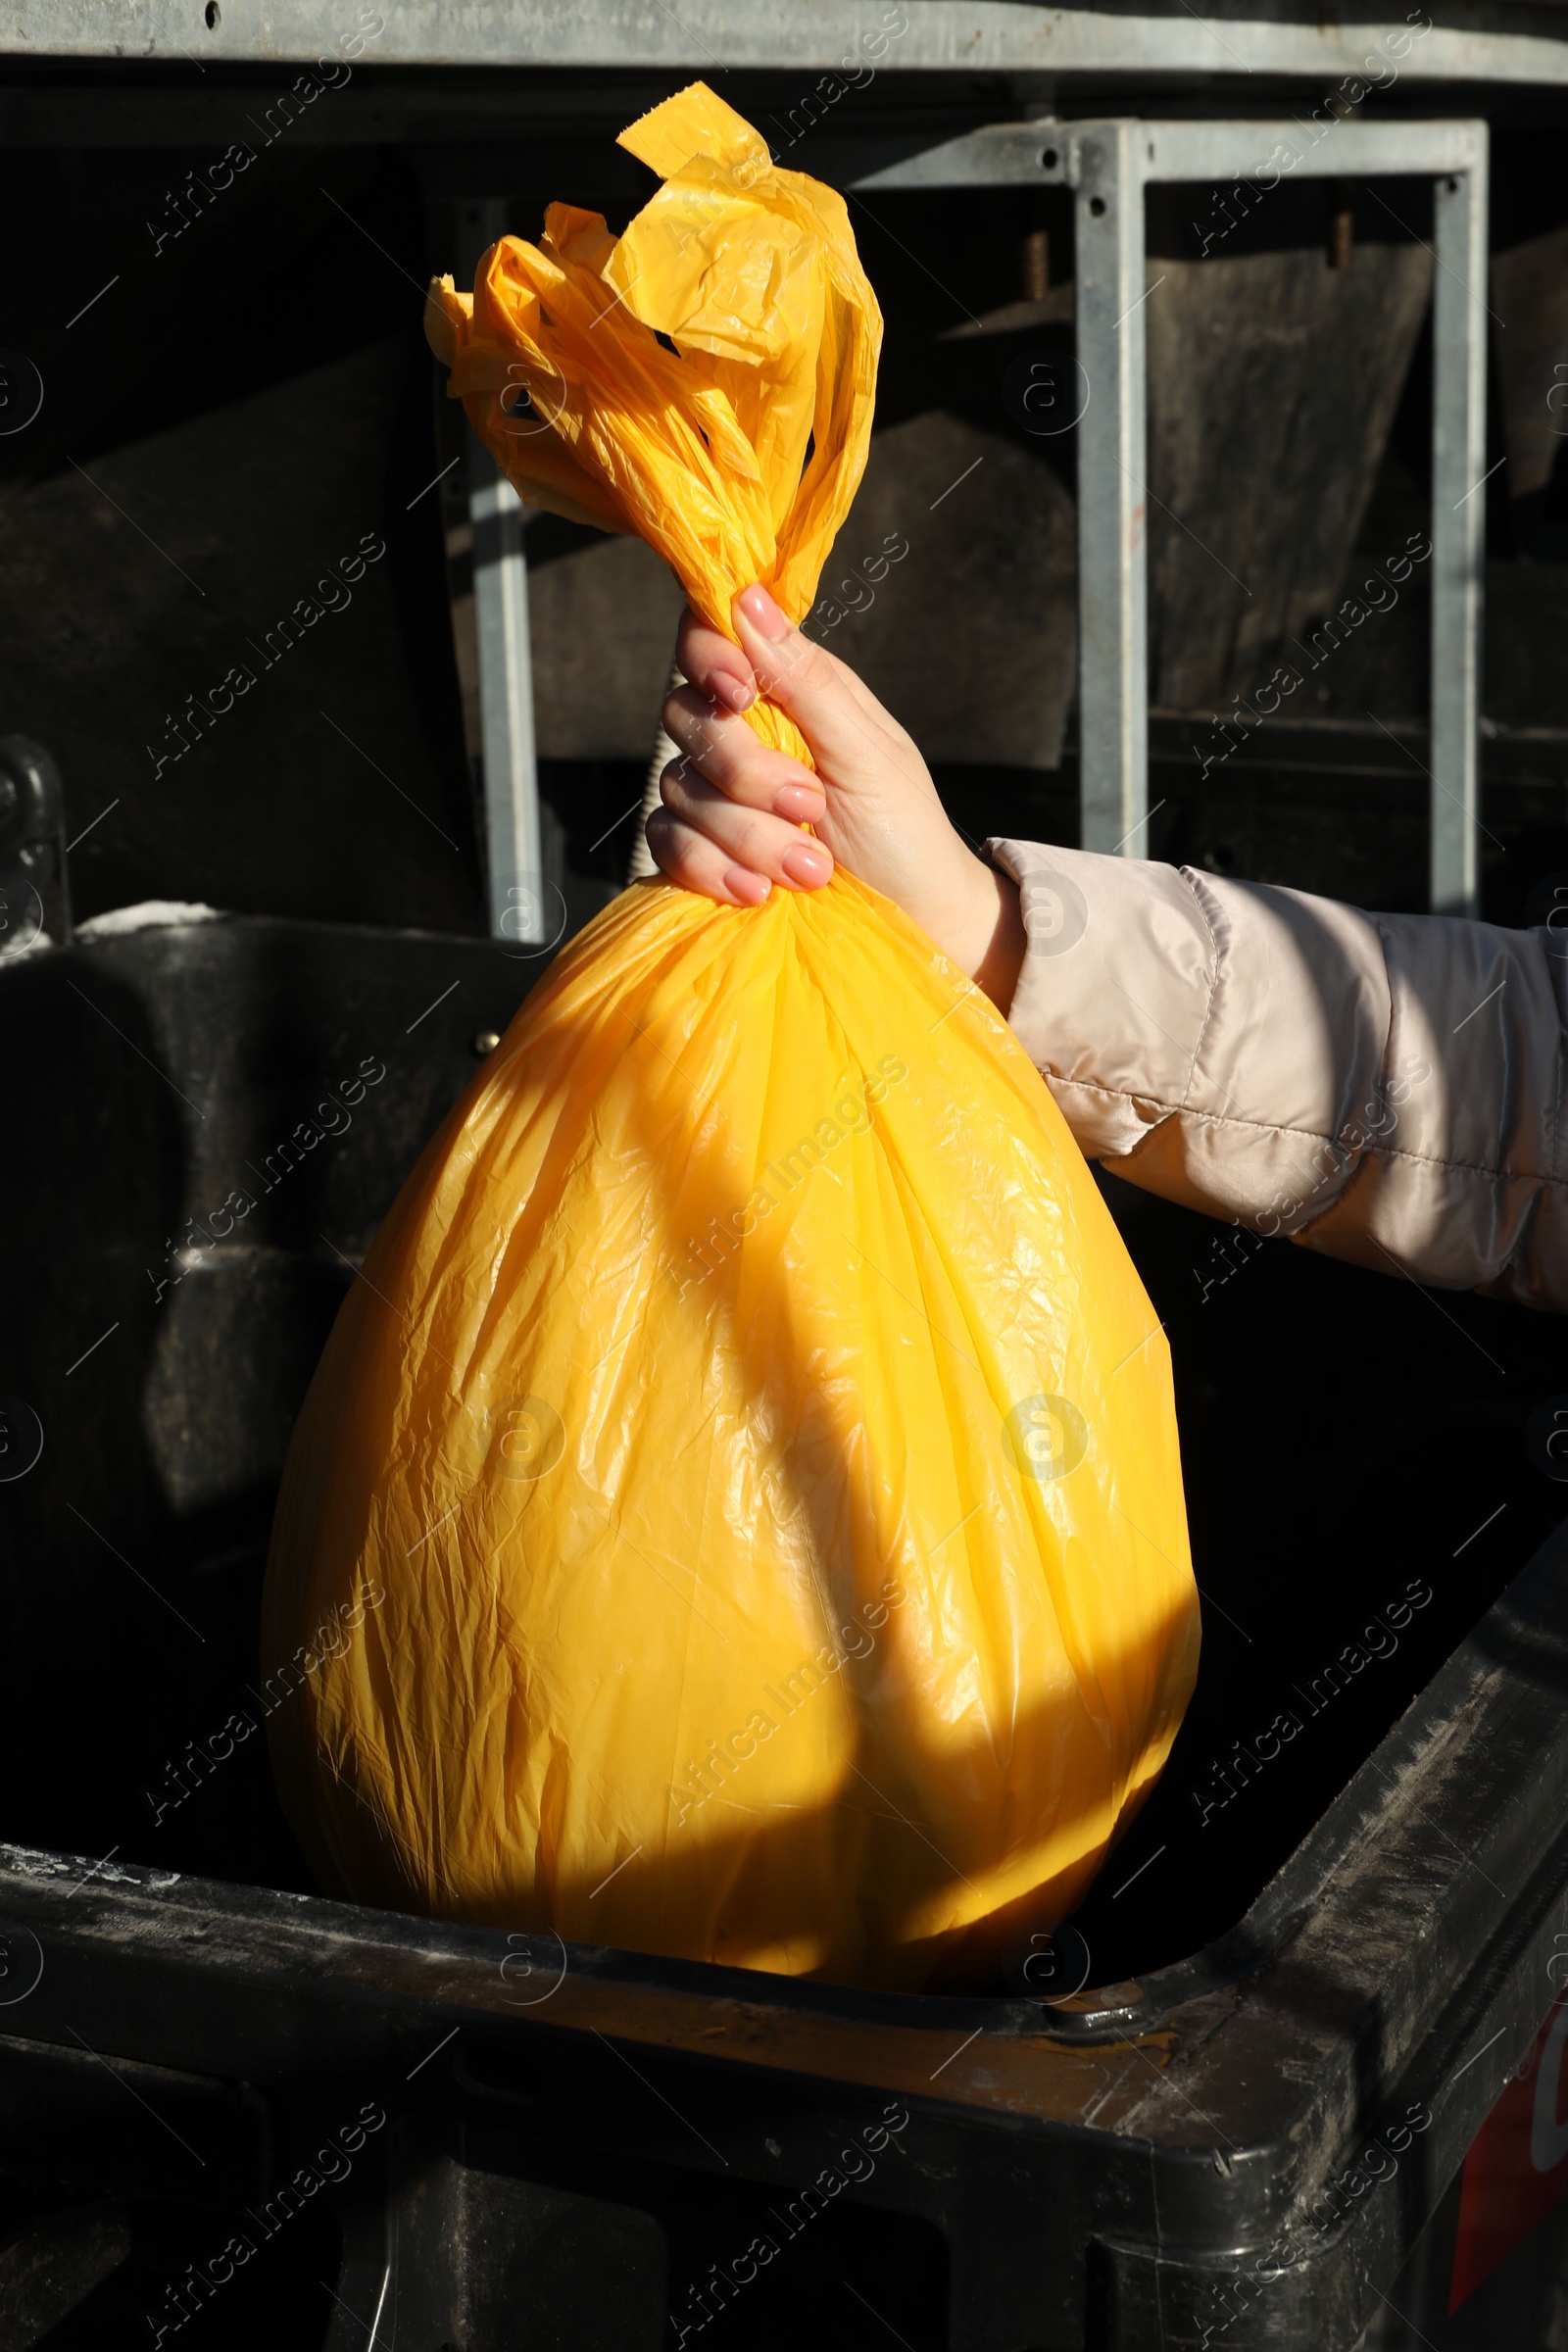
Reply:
x=520, y=1966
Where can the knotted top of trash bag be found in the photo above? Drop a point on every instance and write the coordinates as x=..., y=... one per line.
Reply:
x=706, y=382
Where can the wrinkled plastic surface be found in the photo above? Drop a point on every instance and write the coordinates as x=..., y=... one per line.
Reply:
x=738, y=1514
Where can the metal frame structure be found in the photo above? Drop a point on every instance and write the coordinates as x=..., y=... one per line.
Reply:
x=1109, y=164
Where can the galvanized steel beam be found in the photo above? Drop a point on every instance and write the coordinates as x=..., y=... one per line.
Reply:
x=1112, y=503
x=1458, y=531
x=702, y=36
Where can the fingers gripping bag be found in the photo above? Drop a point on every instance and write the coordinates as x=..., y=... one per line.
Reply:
x=738, y=1514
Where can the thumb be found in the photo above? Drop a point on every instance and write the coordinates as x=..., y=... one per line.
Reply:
x=801, y=678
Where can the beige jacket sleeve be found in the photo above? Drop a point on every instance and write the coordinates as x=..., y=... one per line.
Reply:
x=1388, y=1089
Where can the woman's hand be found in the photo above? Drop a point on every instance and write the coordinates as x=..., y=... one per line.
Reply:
x=730, y=824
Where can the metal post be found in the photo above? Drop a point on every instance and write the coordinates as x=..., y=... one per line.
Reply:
x=1459, y=531
x=1112, y=532
x=514, y=877
x=514, y=880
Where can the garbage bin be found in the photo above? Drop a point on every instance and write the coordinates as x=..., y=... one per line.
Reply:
x=1290, y=2078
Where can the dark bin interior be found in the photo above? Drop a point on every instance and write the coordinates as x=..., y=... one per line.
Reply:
x=1354, y=1448
x=1344, y=1438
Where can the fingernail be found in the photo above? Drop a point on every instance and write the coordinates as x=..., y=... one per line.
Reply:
x=802, y=803
x=733, y=693
x=751, y=888
x=807, y=865
x=763, y=614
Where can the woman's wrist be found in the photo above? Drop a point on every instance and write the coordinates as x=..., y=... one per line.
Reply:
x=989, y=939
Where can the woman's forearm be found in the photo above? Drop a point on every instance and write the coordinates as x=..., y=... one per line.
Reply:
x=1388, y=1089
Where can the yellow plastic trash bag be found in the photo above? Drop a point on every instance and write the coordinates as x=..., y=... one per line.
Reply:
x=738, y=1514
